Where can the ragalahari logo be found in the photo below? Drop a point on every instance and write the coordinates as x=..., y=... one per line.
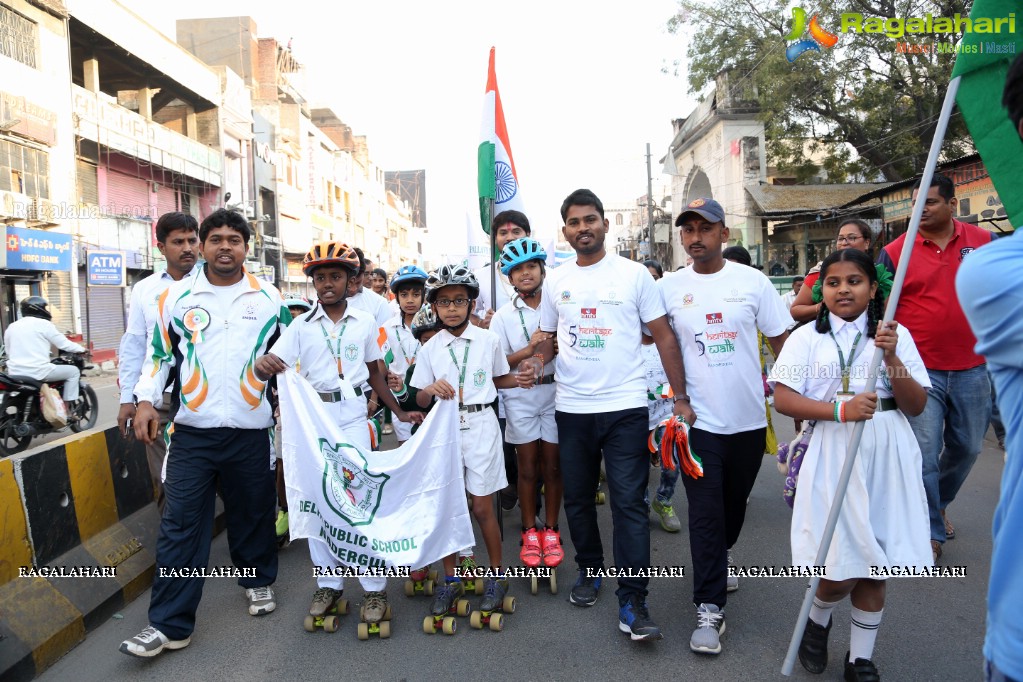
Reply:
x=818, y=36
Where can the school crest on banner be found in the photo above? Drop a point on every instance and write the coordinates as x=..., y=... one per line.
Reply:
x=401, y=507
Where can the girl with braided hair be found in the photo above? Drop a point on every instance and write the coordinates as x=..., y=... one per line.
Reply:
x=883, y=529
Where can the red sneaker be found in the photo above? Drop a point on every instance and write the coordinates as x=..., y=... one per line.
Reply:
x=552, y=551
x=530, y=553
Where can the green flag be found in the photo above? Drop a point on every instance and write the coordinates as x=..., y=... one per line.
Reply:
x=980, y=99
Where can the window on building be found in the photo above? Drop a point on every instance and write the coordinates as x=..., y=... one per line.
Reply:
x=19, y=37
x=24, y=170
x=619, y=220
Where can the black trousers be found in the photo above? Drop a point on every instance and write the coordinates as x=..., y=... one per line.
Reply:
x=198, y=458
x=717, y=504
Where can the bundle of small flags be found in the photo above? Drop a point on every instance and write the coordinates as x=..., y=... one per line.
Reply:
x=676, y=451
x=662, y=392
x=375, y=434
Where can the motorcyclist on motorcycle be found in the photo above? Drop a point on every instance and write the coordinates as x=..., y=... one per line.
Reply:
x=28, y=342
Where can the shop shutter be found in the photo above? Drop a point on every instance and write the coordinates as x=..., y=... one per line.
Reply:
x=103, y=314
x=88, y=190
x=126, y=195
x=57, y=290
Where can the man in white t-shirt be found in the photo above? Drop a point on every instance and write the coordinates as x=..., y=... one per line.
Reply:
x=715, y=308
x=597, y=305
x=507, y=225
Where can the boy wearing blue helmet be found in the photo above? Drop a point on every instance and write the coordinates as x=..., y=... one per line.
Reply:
x=530, y=425
x=408, y=286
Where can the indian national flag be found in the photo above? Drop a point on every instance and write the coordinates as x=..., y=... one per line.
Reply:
x=385, y=347
x=980, y=100
x=496, y=177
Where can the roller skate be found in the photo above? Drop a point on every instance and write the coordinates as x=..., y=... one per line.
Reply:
x=281, y=529
x=421, y=581
x=493, y=605
x=550, y=540
x=375, y=616
x=324, y=611
x=530, y=553
x=600, y=496
x=467, y=569
x=447, y=603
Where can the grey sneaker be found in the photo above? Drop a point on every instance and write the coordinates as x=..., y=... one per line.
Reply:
x=151, y=642
x=669, y=521
x=710, y=625
x=731, y=581
x=261, y=600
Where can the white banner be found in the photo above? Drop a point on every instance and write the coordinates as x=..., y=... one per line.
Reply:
x=403, y=507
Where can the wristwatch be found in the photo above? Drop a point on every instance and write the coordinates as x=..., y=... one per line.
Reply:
x=681, y=396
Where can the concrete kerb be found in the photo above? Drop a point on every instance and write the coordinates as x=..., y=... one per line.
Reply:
x=85, y=504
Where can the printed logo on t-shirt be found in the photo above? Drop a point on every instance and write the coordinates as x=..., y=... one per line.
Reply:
x=588, y=341
x=479, y=377
x=588, y=313
x=886, y=382
x=721, y=342
x=687, y=300
x=964, y=251
x=714, y=318
x=611, y=298
x=735, y=297
x=351, y=352
x=566, y=296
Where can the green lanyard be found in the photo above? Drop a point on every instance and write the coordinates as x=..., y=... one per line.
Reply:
x=841, y=359
x=408, y=361
x=337, y=353
x=522, y=321
x=461, y=370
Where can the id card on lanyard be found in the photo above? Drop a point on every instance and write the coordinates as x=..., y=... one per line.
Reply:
x=845, y=394
x=347, y=392
x=463, y=423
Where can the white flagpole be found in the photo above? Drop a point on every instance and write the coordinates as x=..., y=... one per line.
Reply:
x=875, y=363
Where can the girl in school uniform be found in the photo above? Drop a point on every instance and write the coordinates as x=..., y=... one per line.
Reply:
x=820, y=375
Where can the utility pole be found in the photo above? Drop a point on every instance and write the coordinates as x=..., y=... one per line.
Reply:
x=649, y=205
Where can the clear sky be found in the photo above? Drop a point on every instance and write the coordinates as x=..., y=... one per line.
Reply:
x=581, y=84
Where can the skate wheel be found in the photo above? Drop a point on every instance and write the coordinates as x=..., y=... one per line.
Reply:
x=434, y=575
x=450, y=625
x=362, y=613
x=428, y=627
x=554, y=581
x=363, y=632
x=385, y=629
x=387, y=613
x=462, y=607
x=476, y=620
x=410, y=588
x=508, y=606
x=309, y=624
x=342, y=607
x=428, y=588
x=601, y=497
x=496, y=622
x=331, y=623
x=533, y=581
x=478, y=587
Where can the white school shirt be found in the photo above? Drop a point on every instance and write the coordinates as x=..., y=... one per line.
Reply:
x=404, y=346
x=505, y=291
x=143, y=314
x=598, y=311
x=808, y=362
x=372, y=303
x=514, y=324
x=484, y=362
x=28, y=344
x=352, y=338
x=715, y=318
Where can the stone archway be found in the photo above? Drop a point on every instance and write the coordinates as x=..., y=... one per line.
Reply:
x=697, y=185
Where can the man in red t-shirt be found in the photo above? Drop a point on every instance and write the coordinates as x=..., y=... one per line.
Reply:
x=951, y=428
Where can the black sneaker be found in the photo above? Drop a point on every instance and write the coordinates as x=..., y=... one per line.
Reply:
x=509, y=496
x=813, y=649
x=585, y=590
x=634, y=618
x=860, y=670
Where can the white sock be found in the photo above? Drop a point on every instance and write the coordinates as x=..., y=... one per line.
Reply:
x=820, y=612
x=863, y=634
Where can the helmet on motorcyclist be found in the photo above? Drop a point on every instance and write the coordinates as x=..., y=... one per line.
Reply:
x=35, y=306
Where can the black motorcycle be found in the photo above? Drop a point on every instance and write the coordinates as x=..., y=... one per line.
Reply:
x=21, y=414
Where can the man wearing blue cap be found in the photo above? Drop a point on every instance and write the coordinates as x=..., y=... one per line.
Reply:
x=715, y=308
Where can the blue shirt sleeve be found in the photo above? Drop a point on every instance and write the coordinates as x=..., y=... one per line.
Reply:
x=993, y=301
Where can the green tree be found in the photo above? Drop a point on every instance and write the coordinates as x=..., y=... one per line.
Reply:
x=862, y=93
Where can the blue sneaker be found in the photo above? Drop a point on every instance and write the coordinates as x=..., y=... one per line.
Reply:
x=585, y=590
x=634, y=618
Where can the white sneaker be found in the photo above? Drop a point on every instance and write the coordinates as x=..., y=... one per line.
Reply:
x=151, y=642
x=710, y=625
x=731, y=581
x=261, y=600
